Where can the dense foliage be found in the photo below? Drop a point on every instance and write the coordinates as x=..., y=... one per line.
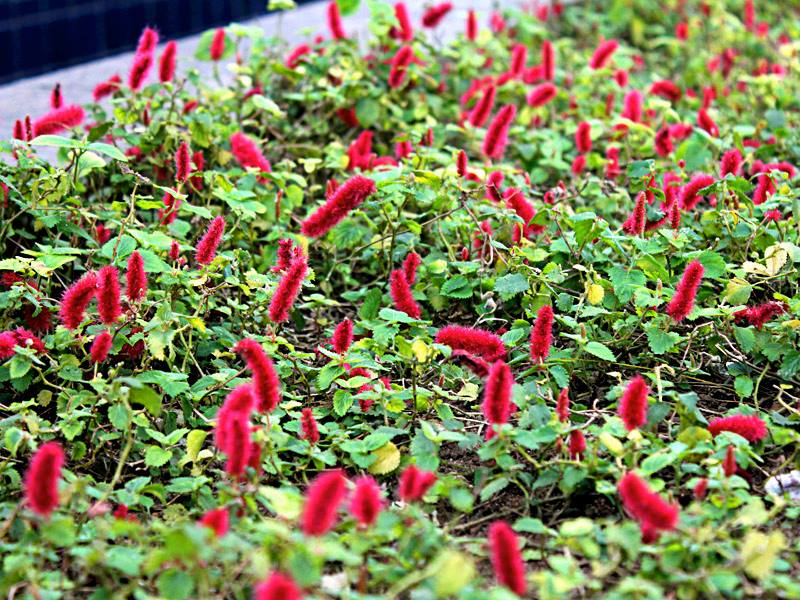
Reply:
x=509, y=314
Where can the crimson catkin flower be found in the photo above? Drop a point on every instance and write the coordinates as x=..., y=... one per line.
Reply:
x=542, y=334
x=237, y=443
x=410, y=265
x=293, y=59
x=731, y=162
x=434, y=15
x=507, y=563
x=136, y=277
x=632, y=106
x=633, y=404
x=472, y=26
x=577, y=444
x=58, y=120
x=480, y=342
x=496, y=138
x=583, y=137
x=288, y=289
x=278, y=587
x=644, y=505
x=637, y=221
x=750, y=427
x=764, y=189
x=75, y=300
x=106, y=88
x=100, y=347
x=402, y=295
x=308, y=426
x=562, y=405
x=405, y=32
x=461, y=164
x=266, y=385
x=248, y=154
x=183, y=164
x=729, y=466
x=217, y=48
x=41, y=480
x=166, y=64
x=760, y=315
x=108, y=305
x=666, y=89
x=147, y=41
x=335, y=21
x=689, y=196
x=347, y=197
x=399, y=66
x=140, y=69
x=548, y=60
x=700, y=488
x=414, y=483
x=706, y=123
x=519, y=56
x=366, y=502
x=206, y=248
x=217, y=520
x=683, y=301
x=493, y=182
x=323, y=498
x=483, y=107
x=603, y=53
x=497, y=405
x=239, y=400
x=542, y=94
x=342, y=336
x=56, y=99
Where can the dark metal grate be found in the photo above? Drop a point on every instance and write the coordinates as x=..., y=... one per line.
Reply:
x=37, y=36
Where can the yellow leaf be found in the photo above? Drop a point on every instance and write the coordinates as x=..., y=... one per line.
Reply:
x=453, y=571
x=595, y=293
x=421, y=350
x=286, y=503
x=387, y=459
x=612, y=444
x=759, y=551
x=194, y=441
x=775, y=257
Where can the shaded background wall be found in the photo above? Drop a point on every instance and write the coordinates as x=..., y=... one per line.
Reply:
x=37, y=36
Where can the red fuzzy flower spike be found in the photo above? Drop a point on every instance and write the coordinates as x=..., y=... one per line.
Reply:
x=705, y=122
x=603, y=54
x=633, y=405
x=136, y=277
x=760, y=315
x=217, y=520
x=308, y=425
x=480, y=342
x=519, y=56
x=414, y=484
x=402, y=296
x=700, y=488
x=106, y=88
x=239, y=400
x=346, y=198
x=278, y=587
x=507, y=563
x=731, y=162
x=653, y=513
x=493, y=182
x=76, y=299
x=497, y=406
x=729, y=466
x=472, y=26
x=323, y=498
x=434, y=15
x=689, y=194
x=108, y=305
x=19, y=337
x=248, y=154
x=237, y=443
x=366, y=502
x=542, y=334
x=410, y=266
x=206, y=248
x=166, y=64
x=405, y=32
x=100, y=347
x=335, y=21
x=288, y=289
x=140, y=69
x=41, y=480
x=577, y=444
x=58, y=120
x=683, y=301
x=56, y=99
x=750, y=427
x=217, y=48
x=496, y=138
x=183, y=162
x=483, y=107
x=562, y=405
x=542, y=94
x=583, y=137
x=548, y=60
x=266, y=385
x=147, y=41
x=637, y=221
x=399, y=66
x=342, y=336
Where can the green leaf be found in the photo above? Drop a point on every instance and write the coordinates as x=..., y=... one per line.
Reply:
x=743, y=386
x=395, y=316
x=348, y=7
x=156, y=456
x=119, y=416
x=510, y=285
x=342, y=401
x=175, y=584
x=661, y=341
x=372, y=301
x=600, y=351
x=147, y=397
x=194, y=442
x=626, y=282
x=457, y=287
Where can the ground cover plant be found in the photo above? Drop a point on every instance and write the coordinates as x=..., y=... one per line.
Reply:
x=510, y=315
